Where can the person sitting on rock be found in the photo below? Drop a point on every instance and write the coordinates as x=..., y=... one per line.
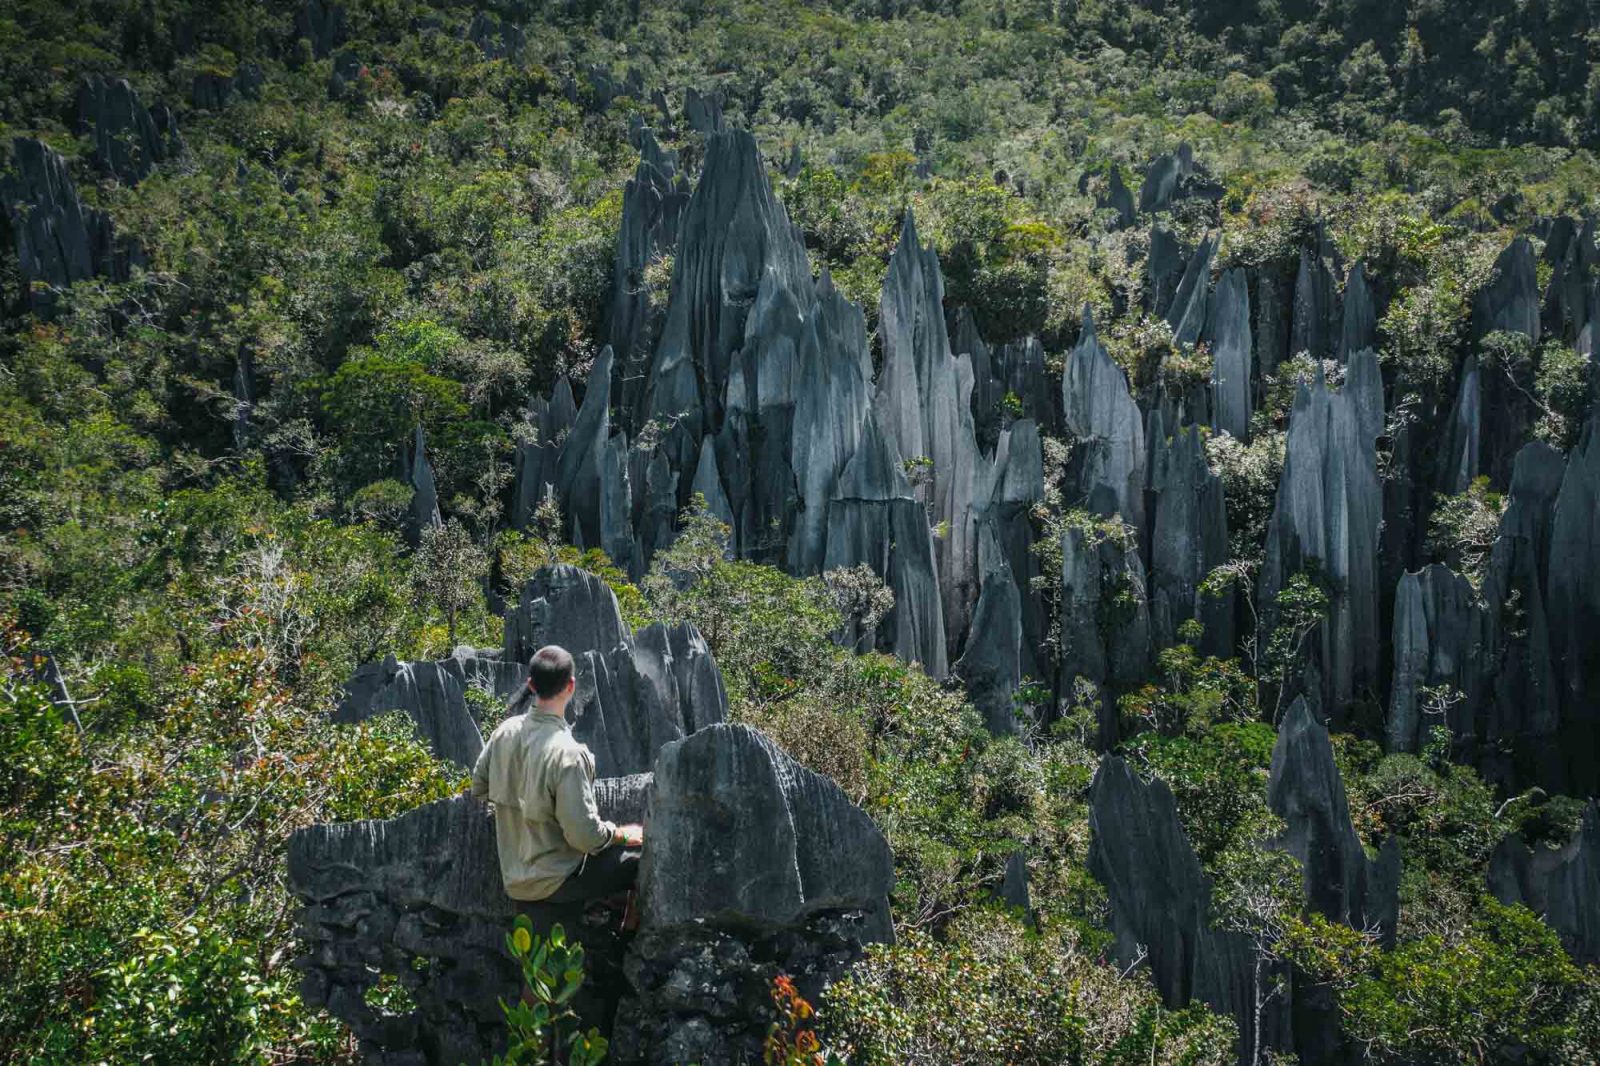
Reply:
x=554, y=846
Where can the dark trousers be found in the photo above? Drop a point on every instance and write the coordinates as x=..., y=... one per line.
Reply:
x=608, y=873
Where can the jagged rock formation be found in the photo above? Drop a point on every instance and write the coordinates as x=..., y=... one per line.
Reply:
x=1440, y=638
x=1363, y=382
x=1104, y=422
x=539, y=456
x=798, y=886
x=1017, y=486
x=1117, y=197
x=434, y=694
x=1574, y=603
x=702, y=112
x=1510, y=303
x=1105, y=618
x=1326, y=520
x=1189, y=538
x=129, y=139
x=636, y=690
x=1187, y=315
x=652, y=202
x=1460, y=461
x=1520, y=746
x=58, y=240
x=417, y=901
x=991, y=667
x=322, y=24
x=1561, y=885
x=1228, y=332
x=424, y=493
x=1175, y=177
x=213, y=90
x=496, y=38
x=1306, y=790
x=1315, y=308
x=1359, y=328
x=875, y=519
x=1160, y=902
x=1163, y=270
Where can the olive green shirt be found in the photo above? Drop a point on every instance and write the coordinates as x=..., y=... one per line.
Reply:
x=540, y=779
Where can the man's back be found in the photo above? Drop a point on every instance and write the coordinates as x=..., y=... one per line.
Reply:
x=539, y=778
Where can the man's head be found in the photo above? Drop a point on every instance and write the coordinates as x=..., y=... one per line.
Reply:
x=550, y=673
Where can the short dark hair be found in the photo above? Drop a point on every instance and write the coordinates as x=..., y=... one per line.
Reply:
x=549, y=671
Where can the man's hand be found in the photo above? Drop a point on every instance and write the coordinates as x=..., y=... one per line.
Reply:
x=630, y=836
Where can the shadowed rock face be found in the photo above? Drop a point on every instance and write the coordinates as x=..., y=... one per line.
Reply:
x=1440, y=637
x=1315, y=310
x=58, y=240
x=1160, y=899
x=434, y=694
x=652, y=203
x=1187, y=315
x=1328, y=511
x=128, y=138
x=1510, y=303
x=1228, y=330
x=636, y=691
x=874, y=519
x=1574, y=599
x=1104, y=422
x=801, y=885
x=1460, y=461
x=1561, y=885
x=538, y=458
x=1189, y=539
x=424, y=493
x=992, y=666
x=1306, y=790
x=418, y=900
x=1359, y=328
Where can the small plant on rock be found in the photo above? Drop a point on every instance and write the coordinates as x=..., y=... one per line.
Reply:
x=552, y=971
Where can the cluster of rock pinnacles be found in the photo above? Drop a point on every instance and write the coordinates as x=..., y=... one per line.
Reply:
x=753, y=386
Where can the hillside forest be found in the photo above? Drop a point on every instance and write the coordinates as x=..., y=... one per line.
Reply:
x=1141, y=453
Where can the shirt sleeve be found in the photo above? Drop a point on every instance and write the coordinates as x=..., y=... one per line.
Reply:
x=480, y=774
x=580, y=819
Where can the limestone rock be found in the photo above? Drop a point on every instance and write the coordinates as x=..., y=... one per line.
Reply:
x=1306, y=790
x=537, y=458
x=1574, y=604
x=991, y=666
x=322, y=24
x=129, y=139
x=741, y=835
x=1315, y=307
x=652, y=202
x=1019, y=372
x=58, y=240
x=1164, y=269
x=1098, y=411
x=1017, y=486
x=1228, y=331
x=702, y=112
x=874, y=519
x=433, y=694
x=1459, y=463
x=1510, y=302
x=1359, y=328
x=1439, y=637
x=1160, y=900
x=1363, y=382
x=833, y=393
x=1562, y=885
x=1326, y=518
x=1189, y=538
x=1187, y=315
x=424, y=493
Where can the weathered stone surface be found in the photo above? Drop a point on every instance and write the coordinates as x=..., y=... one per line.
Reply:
x=1019, y=372
x=743, y=837
x=322, y=24
x=129, y=138
x=652, y=202
x=58, y=240
x=434, y=695
x=874, y=519
x=581, y=469
x=1574, y=599
x=1521, y=747
x=1326, y=519
x=417, y=900
x=1363, y=382
x=1016, y=487
x=1460, y=461
x=833, y=393
x=424, y=493
x=1187, y=315
x=1117, y=197
x=1108, y=473
x=538, y=457
x=1562, y=885
x=1228, y=331
x=1175, y=177
x=702, y=112
x=1359, y=328
x=734, y=240
x=1105, y=618
x=1306, y=790
x=1315, y=308
x=991, y=666
x=636, y=691
x=1439, y=637
x=1189, y=538
x=1510, y=302
x=1164, y=269
x=1160, y=900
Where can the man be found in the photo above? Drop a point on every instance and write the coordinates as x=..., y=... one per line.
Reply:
x=553, y=844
